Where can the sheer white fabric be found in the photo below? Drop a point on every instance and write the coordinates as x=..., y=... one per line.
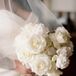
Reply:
x=9, y=26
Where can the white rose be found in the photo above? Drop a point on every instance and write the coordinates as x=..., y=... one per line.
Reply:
x=63, y=30
x=41, y=29
x=66, y=51
x=62, y=35
x=62, y=62
x=34, y=44
x=35, y=29
x=61, y=38
x=40, y=64
x=24, y=57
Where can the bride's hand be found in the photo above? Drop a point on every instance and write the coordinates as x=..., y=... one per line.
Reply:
x=21, y=69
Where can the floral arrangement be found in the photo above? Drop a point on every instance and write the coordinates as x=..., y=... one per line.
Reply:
x=42, y=51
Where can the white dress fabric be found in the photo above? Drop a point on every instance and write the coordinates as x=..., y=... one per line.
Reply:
x=9, y=26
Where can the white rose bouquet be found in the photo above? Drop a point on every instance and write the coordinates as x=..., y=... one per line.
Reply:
x=41, y=51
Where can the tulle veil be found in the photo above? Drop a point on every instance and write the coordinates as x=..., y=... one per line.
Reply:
x=40, y=14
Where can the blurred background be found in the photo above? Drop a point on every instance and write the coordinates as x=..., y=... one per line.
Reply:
x=65, y=11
